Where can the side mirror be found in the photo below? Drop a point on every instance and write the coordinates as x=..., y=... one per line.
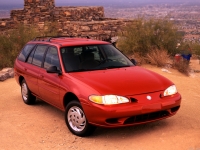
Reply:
x=53, y=69
x=134, y=61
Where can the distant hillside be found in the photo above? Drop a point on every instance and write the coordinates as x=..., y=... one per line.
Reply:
x=123, y=3
x=11, y=6
x=6, y=5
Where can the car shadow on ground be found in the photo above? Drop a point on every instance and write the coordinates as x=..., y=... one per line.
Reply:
x=49, y=108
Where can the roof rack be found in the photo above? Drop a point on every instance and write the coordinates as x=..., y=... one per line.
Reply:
x=48, y=38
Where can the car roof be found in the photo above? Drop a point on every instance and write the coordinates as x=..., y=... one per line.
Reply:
x=66, y=41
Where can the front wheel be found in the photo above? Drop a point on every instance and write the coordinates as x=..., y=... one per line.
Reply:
x=27, y=97
x=76, y=120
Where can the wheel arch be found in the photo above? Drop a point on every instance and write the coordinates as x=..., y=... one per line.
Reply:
x=68, y=98
x=21, y=78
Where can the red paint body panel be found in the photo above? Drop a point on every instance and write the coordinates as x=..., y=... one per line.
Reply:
x=49, y=88
x=124, y=81
x=29, y=72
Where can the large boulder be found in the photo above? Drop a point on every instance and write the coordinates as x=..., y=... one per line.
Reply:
x=6, y=73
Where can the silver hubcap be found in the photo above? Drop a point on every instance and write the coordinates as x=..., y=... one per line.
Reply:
x=24, y=91
x=76, y=119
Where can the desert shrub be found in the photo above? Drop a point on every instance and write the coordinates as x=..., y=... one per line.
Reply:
x=13, y=41
x=182, y=66
x=141, y=36
x=195, y=47
x=158, y=57
x=139, y=60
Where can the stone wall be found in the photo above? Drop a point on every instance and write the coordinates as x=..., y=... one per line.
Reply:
x=78, y=13
x=74, y=21
x=94, y=29
x=6, y=24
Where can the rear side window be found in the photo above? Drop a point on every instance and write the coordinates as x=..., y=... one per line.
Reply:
x=25, y=52
x=39, y=55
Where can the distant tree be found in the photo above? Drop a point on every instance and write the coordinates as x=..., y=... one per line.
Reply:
x=141, y=36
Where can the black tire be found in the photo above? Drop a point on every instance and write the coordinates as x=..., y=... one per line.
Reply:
x=27, y=97
x=76, y=120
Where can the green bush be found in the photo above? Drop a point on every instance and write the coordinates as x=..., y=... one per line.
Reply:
x=156, y=41
x=195, y=47
x=141, y=36
x=13, y=41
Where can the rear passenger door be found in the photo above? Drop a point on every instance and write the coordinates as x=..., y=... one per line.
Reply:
x=32, y=67
x=49, y=83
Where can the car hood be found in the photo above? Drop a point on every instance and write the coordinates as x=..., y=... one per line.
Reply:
x=123, y=81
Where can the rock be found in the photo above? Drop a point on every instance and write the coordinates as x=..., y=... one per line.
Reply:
x=85, y=28
x=165, y=70
x=197, y=71
x=4, y=76
x=67, y=13
x=6, y=73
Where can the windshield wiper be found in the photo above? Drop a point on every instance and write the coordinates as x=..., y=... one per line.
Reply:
x=112, y=67
x=82, y=70
x=105, y=60
x=102, y=68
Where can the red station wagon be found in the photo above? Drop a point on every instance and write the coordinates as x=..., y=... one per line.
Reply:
x=94, y=83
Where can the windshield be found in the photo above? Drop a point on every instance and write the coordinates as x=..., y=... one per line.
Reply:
x=93, y=57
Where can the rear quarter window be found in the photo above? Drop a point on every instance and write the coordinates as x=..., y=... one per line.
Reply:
x=25, y=52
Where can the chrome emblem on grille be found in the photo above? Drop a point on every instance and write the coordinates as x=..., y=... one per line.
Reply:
x=149, y=97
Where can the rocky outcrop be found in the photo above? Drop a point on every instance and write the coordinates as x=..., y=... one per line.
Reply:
x=72, y=21
x=6, y=73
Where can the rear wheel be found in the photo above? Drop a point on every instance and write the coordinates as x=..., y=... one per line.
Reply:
x=27, y=97
x=76, y=120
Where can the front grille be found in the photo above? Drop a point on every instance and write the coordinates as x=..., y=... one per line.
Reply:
x=147, y=117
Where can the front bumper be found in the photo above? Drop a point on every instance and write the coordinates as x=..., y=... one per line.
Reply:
x=132, y=113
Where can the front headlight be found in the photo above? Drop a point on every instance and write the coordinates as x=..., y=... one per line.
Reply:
x=170, y=91
x=108, y=99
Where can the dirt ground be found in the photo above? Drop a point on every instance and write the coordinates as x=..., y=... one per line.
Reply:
x=42, y=127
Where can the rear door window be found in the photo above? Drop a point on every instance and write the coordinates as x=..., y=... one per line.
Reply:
x=30, y=58
x=25, y=52
x=37, y=56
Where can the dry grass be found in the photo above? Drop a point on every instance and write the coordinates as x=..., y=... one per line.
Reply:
x=160, y=58
x=139, y=60
x=157, y=57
